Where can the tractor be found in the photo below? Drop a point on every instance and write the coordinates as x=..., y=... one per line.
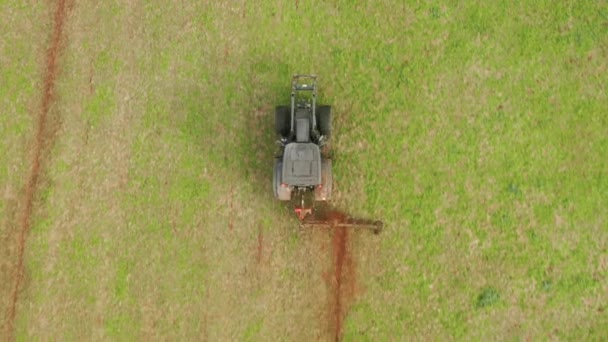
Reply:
x=303, y=167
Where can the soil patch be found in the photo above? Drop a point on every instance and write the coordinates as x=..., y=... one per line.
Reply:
x=343, y=277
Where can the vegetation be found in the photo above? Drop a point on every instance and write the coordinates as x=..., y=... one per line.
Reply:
x=476, y=131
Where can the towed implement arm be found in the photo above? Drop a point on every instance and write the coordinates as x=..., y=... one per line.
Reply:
x=374, y=226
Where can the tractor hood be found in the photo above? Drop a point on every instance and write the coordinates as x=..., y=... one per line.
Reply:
x=301, y=164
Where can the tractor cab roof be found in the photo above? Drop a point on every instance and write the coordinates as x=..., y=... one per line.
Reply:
x=301, y=164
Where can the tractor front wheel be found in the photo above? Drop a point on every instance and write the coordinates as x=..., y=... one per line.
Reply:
x=282, y=120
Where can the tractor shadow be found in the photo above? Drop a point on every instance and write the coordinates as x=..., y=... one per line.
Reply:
x=232, y=126
x=265, y=88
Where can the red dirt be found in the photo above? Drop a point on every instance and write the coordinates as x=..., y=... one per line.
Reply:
x=342, y=283
x=41, y=144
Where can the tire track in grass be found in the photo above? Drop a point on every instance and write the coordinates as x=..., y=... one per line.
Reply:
x=41, y=143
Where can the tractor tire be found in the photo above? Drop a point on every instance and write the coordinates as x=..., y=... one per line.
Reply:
x=276, y=178
x=282, y=120
x=323, y=193
x=323, y=114
x=281, y=193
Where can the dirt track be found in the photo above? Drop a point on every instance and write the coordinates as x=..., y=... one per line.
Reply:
x=42, y=142
x=344, y=280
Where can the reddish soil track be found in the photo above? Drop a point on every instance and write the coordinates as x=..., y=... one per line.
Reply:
x=41, y=144
x=342, y=281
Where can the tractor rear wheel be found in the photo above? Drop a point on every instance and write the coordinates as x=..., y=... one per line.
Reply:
x=324, y=120
x=282, y=120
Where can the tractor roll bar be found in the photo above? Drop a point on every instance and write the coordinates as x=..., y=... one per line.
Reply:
x=298, y=84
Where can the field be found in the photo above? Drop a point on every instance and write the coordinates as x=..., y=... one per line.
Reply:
x=136, y=164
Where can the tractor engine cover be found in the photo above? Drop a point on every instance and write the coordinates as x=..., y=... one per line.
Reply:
x=302, y=164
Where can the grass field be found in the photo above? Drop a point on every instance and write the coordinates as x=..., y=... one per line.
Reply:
x=476, y=131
